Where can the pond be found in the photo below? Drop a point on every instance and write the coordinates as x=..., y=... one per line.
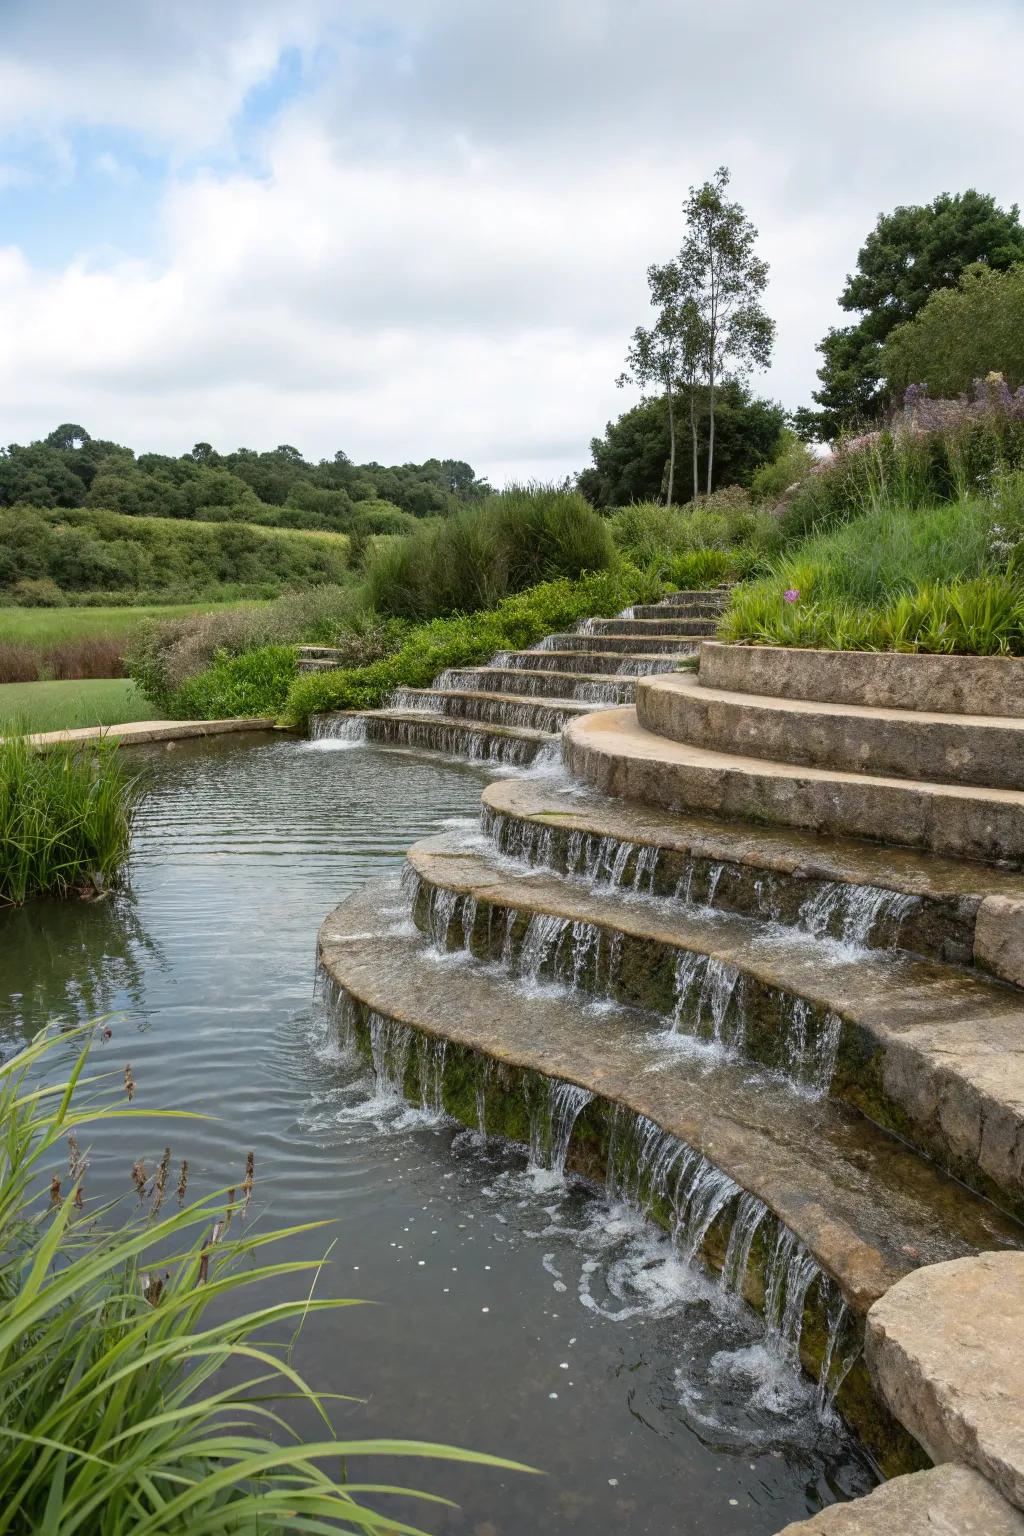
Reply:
x=515, y=1313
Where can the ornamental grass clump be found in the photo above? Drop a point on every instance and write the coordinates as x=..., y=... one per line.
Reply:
x=66, y=818
x=141, y=1391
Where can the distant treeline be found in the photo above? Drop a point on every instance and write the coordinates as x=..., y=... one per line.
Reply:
x=280, y=488
x=48, y=552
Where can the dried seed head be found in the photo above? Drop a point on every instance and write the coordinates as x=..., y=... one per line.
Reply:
x=183, y=1180
x=129, y=1082
x=139, y=1176
x=55, y=1192
x=250, y=1174
x=160, y=1182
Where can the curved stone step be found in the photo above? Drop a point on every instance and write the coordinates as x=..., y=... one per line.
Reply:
x=547, y=715
x=944, y=1501
x=580, y=659
x=971, y=685
x=935, y=1053
x=857, y=738
x=692, y=609
x=867, y=1207
x=615, y=754
x=428, y=732
x=646, y=629
x=628, y=644
x=958, y=911
x=584, y=687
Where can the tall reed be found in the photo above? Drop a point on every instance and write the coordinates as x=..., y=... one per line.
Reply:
x=66, y=817
x=125, y=1410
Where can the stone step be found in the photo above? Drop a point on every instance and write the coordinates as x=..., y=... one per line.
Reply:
x=426, y=732
x=969, y=685
x=857, y=738
x=599, y=659
x=958, y=911
x=316, y=664
x=713, y=595
x=615, y=754
x=548, y=715
x=665, y=610
x=628, y=644
x=645, y=629
x=944, y=1501
x=583, y=687
x=866, y=1207
x=935, y=1053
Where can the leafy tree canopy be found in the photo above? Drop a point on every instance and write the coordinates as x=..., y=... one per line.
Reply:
x=630, y=459
x=961, y=334
x=912, y=253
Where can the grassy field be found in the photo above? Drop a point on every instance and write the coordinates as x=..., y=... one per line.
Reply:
x=68, y=705
x=49, y=626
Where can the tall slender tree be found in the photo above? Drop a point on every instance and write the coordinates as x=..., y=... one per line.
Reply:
x=667, y=355
x=723, y=279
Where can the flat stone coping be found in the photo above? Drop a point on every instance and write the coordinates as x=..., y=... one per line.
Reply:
x=945, y=1348
x=860, y=738
x=867, y=1207
x=432, y=720
x=140, y=731
x=944, y=1501
x=612, y=751
x=950, y=1042
x=973, y=685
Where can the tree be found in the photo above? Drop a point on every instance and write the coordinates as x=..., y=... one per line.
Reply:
x=961, y=334
x=630, y=458
x=722, y=278
x=912, y=253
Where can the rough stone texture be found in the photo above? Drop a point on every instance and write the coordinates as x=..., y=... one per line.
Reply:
x=867, y=1207
x=972, y=685
x=945, y=1501
x=999, y=937
x=932, y=1051
x=140, y=731
x=615, y=754
x=943, y=748
x=945, y=1348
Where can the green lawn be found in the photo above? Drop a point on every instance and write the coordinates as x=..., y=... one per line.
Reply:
x=65, y=706
x=49, y=626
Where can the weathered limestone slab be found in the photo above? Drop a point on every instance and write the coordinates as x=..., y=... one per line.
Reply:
x=592, y=656
x=685, y=638
x=970, y=685
x=615, y=754
x=999, y=937
x=138, y=732
x=945, y=1501
x=563, y=683
x=427, y=731
x=945, y=1348
x=943, y=748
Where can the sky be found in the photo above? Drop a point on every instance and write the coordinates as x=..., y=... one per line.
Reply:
x=419, y=228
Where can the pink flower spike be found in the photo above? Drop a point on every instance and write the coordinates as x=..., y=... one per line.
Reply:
x=792, y=595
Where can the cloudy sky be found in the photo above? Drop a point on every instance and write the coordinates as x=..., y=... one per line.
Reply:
x=420, y=227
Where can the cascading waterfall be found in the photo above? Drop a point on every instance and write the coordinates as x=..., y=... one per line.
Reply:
x=389, y=1051
x=430, y=1060
x=417, y=700
x=552, y=1121
x=812, y=1047
x=852, y=913
x=705, y=988
x=338, y=728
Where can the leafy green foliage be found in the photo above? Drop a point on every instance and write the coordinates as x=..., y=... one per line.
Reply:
x=911, y=254
x=719, y=538
x=140, y=1394
x=791, y=463
x=254, y=685
x=940, y=579
x=65, y=818
x=630, y=459
x=472, y=560
x=961, y=334
x=78, y=550
x=469, y=640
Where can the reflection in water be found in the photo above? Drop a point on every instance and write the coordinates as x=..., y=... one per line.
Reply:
x=517, y=1312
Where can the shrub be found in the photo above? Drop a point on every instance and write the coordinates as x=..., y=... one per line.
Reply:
x=19, y=663
x=37, y=592
x=792, y=463
x=482, y=553
x=66, y=818
x=252, y=685
x=722, y=534
x=140, y=1390
x=468, y=640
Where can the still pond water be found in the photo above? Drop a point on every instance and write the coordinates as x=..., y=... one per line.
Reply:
x=515, y=1313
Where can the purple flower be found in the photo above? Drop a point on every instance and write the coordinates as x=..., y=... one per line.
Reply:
x=791, y=595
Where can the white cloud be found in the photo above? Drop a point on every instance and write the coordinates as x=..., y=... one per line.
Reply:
x=442, y=248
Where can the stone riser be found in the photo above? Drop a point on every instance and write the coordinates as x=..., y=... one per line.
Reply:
x=430, y=735
x=629, y=645
x=507, y=1094
x=971, y=685
x=676, y=627
x=937, y=927
x=675, y=611
x=592, y=661
x=518, y=713
x=948, y=751
x=614, y=758
x=555, y=685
